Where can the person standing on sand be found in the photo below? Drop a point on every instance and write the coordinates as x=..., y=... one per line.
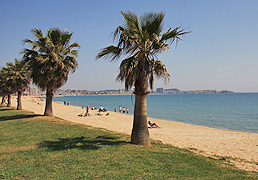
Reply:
x=120, y=109
x=87, y=109
x=123, y=109
x=127, y=110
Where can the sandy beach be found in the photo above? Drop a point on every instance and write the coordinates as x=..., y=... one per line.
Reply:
x=241, y=147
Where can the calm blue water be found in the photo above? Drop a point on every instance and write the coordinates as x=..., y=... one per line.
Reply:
x=237, y=111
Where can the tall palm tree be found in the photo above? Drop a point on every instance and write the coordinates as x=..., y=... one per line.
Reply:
x=139, y=41
x=50, y=60
x=18, y=78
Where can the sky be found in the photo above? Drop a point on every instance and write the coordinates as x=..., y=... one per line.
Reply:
x=221, y=52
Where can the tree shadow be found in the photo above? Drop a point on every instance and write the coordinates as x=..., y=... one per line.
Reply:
x=82, y=143
x=15, y=117
x=5, y=109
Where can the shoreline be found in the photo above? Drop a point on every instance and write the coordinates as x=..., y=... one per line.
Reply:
x=154, y=117
x=127, y=94
x=207, y=119
x=241, y=147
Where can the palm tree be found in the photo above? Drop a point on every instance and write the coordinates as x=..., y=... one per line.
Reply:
x=7, y=87
x=50, y=60
x=3, y=87
x=18, y=78
x=139, y=41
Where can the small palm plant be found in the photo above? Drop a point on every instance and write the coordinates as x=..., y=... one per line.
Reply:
x=139, y=41
x=50, y=60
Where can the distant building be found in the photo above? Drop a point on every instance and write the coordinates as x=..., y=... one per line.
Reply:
x=159, y=90
x=59, y=92
x=69, y=92
x=171, y=91
x=121, y=91
x=85, y=92
x=225, y=91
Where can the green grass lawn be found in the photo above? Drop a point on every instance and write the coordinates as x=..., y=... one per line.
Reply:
x=38, y=147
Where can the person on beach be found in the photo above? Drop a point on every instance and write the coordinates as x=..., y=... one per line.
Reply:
x=68, y=103
x=100, y=112
x=120, y=109
x=153, y=125
x=80, y=115
x=87, y=115
x=115, y=110
x=87, y=109
x=123, y=109
x=82, y=107
x=127, y=110
x=64, y=102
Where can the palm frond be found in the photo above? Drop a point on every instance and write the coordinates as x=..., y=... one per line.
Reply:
x=172, y=35
x=153, y=22
x=160, y=71
x=127, y=72
x=111, y=52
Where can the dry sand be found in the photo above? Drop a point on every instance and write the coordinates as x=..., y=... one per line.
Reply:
x=241, y=147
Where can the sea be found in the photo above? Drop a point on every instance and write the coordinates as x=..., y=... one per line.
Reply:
x=236, y=111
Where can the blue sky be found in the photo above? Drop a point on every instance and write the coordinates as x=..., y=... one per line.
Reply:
x=220, y=53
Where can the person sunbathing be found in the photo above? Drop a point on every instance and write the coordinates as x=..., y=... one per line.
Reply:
x=80, y=115
x=153, y=125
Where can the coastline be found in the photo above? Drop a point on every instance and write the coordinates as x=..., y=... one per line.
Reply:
x=234, y=112
x=241, y=147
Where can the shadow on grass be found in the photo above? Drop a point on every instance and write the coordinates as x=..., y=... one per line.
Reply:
x=5, y=109
x=82, y=143
x=16, y=117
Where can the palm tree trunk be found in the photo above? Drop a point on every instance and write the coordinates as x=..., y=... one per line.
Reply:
x=48, y=107
x=140, y=132
x=3, y=100
x=9, y=103
x=19, y=105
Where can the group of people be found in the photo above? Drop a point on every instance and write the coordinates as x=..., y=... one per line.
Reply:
x=120, y=110
x=87, y=114
x=66, y=103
